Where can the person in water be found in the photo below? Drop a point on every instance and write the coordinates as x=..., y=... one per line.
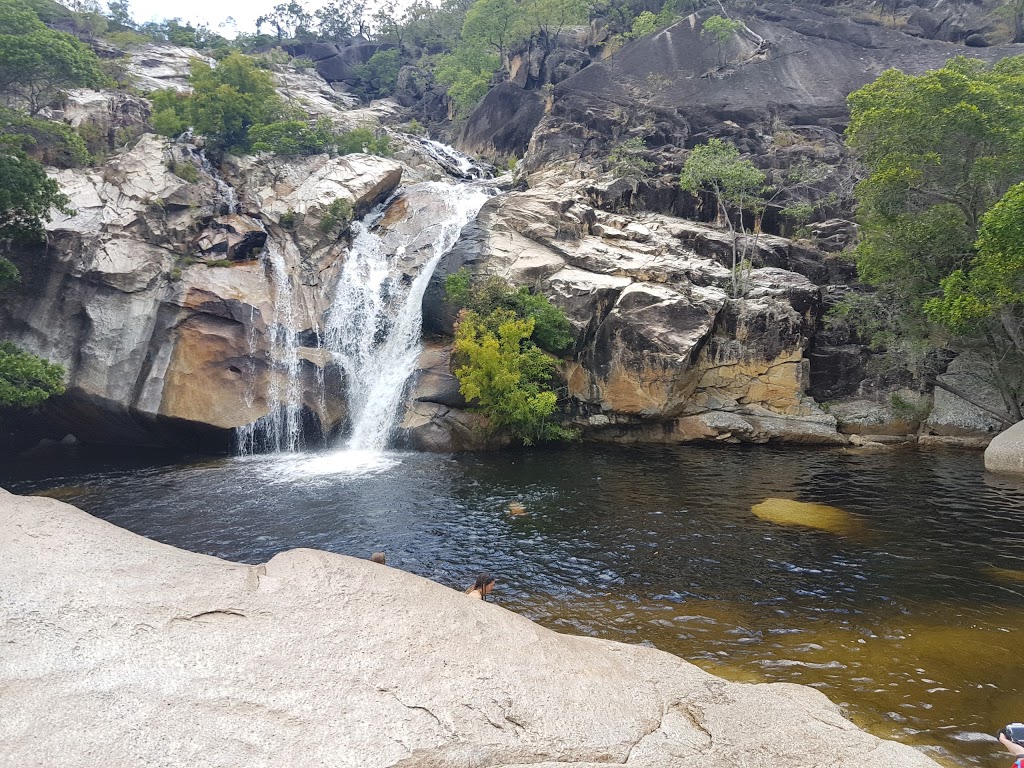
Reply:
x=482, y=586
x=1013, y=748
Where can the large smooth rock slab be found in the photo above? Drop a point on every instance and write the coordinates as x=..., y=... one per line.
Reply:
x=122, y=651
x=1006, y=451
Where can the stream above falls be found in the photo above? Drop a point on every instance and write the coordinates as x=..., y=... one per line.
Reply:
x=910, y=617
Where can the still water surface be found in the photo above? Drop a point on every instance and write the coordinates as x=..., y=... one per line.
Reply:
x=912, y=622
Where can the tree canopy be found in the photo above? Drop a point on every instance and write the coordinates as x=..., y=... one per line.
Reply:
x=941, y=150
x=737, y=186
x=226, y=101
x=38, y=63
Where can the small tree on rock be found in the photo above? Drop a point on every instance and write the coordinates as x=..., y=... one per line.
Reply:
x=737, y=186
x=720, y=29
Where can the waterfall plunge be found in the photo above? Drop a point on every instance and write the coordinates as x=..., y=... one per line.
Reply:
x=373, y=327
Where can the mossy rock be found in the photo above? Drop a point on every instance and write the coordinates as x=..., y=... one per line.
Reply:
x=808, y=515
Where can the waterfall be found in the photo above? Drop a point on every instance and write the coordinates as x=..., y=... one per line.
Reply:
x=281, y=429
x=373, y=326
x=454, y=162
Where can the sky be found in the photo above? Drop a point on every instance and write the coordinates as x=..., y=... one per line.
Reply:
x=211, y=12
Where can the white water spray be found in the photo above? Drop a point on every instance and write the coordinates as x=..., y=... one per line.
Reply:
x=373, y=327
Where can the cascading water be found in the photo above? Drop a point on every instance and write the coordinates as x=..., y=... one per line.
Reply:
x=373, y=327
x=281, y=429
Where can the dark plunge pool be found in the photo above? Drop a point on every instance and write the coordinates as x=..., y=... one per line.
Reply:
x=909, y=613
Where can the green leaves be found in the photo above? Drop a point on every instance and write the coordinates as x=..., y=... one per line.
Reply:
x=27, y=380
x=293, y=137
x=506, y=375
x=994, y=280
x=26, y=195
x=37, y=63
x=501, y=364
x=944, y=151
x=225, y=103
x=717, y=167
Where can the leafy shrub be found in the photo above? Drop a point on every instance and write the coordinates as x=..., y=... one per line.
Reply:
x=644, y=24
x=551, y=330
x=220, y=263
x=414, y=127
x=364, y=140
x=506, y=375
x=378, y=76
x=293, y=137
x=27, y=380
x=224, y=105
x=626, y=159
x=51, y=143
x=339, y=212
x=184, y=171
x=288, y=219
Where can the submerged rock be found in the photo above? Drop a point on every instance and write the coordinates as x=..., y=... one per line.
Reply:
x=119, y=646
x=808, y=515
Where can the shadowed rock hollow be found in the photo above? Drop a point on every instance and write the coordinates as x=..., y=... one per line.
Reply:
x=124, y=652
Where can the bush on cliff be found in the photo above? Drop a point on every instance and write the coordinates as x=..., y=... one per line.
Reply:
x=551, y=329
x=507, y=376
x=225, y=103
x=500, y=360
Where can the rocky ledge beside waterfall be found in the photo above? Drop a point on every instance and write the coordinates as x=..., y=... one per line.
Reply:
x=127, y=652
x=193, y=306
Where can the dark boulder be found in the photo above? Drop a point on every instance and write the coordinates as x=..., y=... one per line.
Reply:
x=341, y=66
x=503, y=122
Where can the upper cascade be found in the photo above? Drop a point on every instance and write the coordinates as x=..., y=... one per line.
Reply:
x=373, y=327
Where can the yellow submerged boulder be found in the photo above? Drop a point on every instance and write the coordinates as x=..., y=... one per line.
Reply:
x=1005, y=574
x=809, y=515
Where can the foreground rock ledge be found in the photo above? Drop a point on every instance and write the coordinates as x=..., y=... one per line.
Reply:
x=119, y=651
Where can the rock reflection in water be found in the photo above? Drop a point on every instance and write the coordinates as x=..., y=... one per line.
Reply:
x=913, y=630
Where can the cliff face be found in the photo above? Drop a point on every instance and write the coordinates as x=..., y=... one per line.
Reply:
x=170, y=293
x=667, y=348
x=155, y=297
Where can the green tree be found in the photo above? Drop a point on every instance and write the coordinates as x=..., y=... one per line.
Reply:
x=720, y=29
x=293, y=137
x=737, y=186
x=467, y=73
x=506, y=376
x=27, y=380
x=495, y=24
x=49, y=142
x=120, y=13
x=38, y=63
x=225, y=103
x=364, y=140
x=287, y=20
x=550, y=17
x=379, y=76
x=27, y=195
x=551, y=330
x=390, y=23
x=644, y=24
x=627, y=159
x=940, y=149
x=990, y=291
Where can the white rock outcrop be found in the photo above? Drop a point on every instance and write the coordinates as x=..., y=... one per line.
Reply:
x=120, y=651
x=1006, y=451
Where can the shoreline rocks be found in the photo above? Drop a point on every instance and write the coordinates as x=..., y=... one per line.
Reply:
x=123, y=651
